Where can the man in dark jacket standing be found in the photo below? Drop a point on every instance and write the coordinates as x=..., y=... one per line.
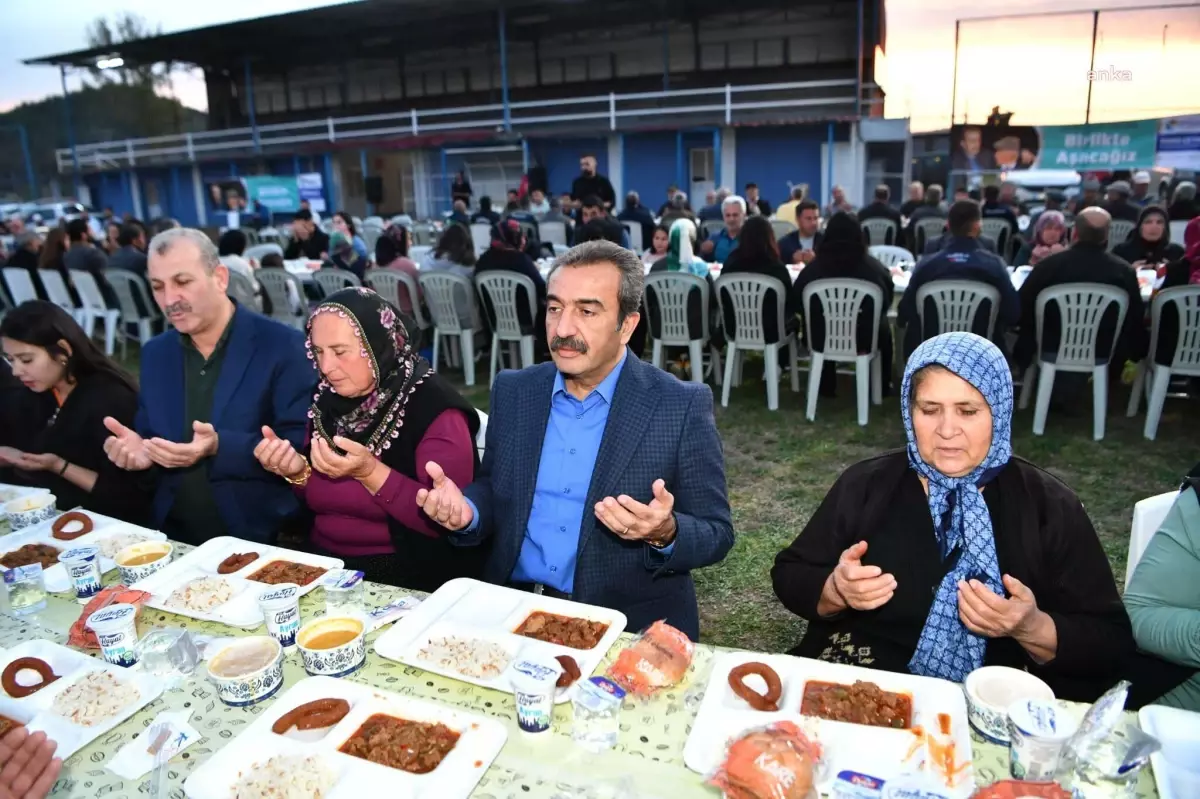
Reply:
x=1086, y=261
x=634, y=211
x=962, y=258
x=591, y=184
x=755, y=204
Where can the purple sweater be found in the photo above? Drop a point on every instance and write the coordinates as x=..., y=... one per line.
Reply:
x=352, y=523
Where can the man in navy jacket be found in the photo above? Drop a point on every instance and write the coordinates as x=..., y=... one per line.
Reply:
x=208, y=386
x=603, y=478
x=961, y=258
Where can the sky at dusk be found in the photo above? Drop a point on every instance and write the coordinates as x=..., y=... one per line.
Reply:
x=1036, y=67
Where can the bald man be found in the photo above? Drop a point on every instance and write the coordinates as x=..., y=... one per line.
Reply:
x=1087, y=261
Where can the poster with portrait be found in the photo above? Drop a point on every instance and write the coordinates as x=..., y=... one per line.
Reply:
x=990, y=148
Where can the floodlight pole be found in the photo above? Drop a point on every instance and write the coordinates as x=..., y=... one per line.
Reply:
x=1087, y=114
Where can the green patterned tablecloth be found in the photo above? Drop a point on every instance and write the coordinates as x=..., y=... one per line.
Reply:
x=646, y=763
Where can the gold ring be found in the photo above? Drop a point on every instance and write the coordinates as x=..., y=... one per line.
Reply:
x=626, y=531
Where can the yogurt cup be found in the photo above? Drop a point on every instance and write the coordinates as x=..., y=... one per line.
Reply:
x=533, y=685
x=116, y=629
x=1037, y=731
x=280, y=606
x=83, y=569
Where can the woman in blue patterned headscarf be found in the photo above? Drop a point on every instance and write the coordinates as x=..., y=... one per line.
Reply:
x=952, y=553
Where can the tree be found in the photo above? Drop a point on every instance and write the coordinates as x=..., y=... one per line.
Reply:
x=126, y=27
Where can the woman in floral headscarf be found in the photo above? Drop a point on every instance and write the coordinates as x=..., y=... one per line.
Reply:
x=383, y=427
x=952, y=553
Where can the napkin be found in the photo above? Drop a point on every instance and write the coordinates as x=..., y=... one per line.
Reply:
x=134, y=760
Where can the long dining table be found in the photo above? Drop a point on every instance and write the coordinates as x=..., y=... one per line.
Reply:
x=646, y=763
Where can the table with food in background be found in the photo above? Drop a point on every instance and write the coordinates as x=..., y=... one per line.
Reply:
x=666, y=744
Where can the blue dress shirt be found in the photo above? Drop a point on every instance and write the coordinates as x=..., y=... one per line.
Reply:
x=723, y=244
x=574, y=432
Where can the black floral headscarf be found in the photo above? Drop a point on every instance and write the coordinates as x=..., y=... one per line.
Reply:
x=374, y=419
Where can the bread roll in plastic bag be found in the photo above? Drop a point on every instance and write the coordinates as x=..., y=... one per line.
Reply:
x=658, y=659
x=774, y=762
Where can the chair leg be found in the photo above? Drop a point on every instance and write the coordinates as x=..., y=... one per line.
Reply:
x=877, y=380
x=814, y=379
x=715, y=357
x=1027, y=385
x=1135, y=395
x=467, y=345
x=862, y=380
x=794, y=363
x=730, y=361
x=453, y=351
x=495, y=358
x=696, y=356
x=771, y=369
x=739, y=358
x=526, y=351
x=656, y=354
x=437, y=338
x=512, y=354
x=1045, y=387
x=1158, y=397
x=1099, y=401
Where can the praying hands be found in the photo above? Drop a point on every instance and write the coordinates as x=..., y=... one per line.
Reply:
x=130, y=451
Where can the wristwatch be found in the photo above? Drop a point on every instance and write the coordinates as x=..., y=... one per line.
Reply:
x=660, y=545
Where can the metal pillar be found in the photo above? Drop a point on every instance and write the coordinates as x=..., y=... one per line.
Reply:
x=446, y=182
x=717, y=158
x=828, y=192
x=524, y=156
x=504, y=71
x=330, y=200
x=954, y=81
x=176, y=194
x=680, y=174
x=1087, y=114
x=295, y=165
x=621, y=172
x=859, y=63
x=233, y=169
x=62, y=71
x=362, y=163
x=250, y=106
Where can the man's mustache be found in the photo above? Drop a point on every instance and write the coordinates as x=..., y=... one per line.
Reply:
x=569, y=342
x=178, y=307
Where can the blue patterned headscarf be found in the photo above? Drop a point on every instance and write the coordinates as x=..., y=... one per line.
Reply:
x=961, y=520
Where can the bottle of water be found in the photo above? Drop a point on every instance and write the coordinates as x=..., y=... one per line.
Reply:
x=597, y=713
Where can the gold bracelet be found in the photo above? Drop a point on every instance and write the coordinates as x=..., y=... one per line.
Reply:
x=303, y=478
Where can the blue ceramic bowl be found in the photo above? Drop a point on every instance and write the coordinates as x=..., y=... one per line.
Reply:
x=345, y=658
x=30, y=510
x=247, y=671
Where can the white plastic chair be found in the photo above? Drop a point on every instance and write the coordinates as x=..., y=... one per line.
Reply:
x=501, y=289
x=423, y=235
x=419, y=252
x=928, y=229
x=442, y=289
x=269, y=234
x=881, y=232
x=334, y=280
x=20, y=284
x=957, y=303
x=1119, y=230
x=1148, y=516
x=671, y=291
x=481, y=436
x=371, y=234
x=635, y=235
x=1081, y=307
x=481, y=236
x=782, y=228
x=999, y=231
x=841, y=301
x=251, y=236
x=553, y=232
x=388, y=283
x=128, y=286
x=744, y=296
x=242, y=289
x=1178, y=228
x=259, y=251
x=94, y=308
x=275, y=283
x=58, y=293
x=711, y=227
x=1185, y=361
x=890, y=254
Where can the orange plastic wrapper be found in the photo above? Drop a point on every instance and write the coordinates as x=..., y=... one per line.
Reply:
x=775, y=762
x=83, y=638
x=658, y=659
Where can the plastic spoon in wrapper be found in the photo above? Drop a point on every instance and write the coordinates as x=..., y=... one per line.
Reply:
x=158, y=747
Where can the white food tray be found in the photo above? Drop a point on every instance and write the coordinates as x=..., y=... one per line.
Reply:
x=467, y=608
x=879, y=752
x=9, y=492
x=242, y=609
x=57, y=580
x=35, y=709
x=481, y=740
x=1177, y=765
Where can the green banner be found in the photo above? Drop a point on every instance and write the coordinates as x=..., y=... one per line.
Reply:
x=1102, y=146
x=278, y=195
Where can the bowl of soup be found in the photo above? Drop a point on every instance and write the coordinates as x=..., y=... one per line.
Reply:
x=138, y=561
x=30, y=510
x=332, y=646
x=247, y=670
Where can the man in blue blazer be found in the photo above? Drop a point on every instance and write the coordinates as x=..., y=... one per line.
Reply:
x=603, y=478
x=208, y=387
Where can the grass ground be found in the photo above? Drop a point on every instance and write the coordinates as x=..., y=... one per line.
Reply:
x=779, y=466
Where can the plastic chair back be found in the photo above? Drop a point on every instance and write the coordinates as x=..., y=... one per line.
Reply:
x=841, y=302
x=275, y=283
x=553, y=232
x=1186, y=299
x=390, y=282
x=501, y=289
x=261, y=250
x=782, y=228
x=880, y=231
x=1119, y=230
x=1082, y=307
x=269, y=234
x=889, y=254
x=744, y=295
x=999, y=231
x=711, y=227
x=957, y=302
x=928, y=229
x=481, y=235
x=56, y=290
x=671, y=291
x=334, y=280
x=127, y=285
x=241, y=289
x=635, y=235
x=441, y=290
x=20, y=284
x=89, y=291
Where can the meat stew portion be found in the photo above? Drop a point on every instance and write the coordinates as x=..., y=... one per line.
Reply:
x=412, y=746
x=861, y=703
x=30, y=554
x=562, y=630
x=285, y=571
